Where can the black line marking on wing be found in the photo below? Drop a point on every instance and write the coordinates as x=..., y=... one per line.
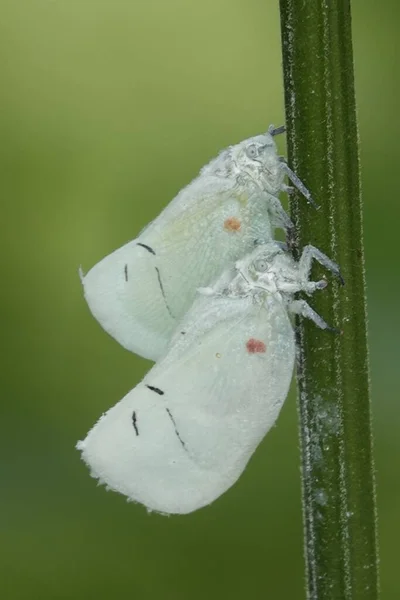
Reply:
x=176, y=429
x=134, y=422
x=147, y=248
x=163, y=292
x=126, y=272
x=155, y=389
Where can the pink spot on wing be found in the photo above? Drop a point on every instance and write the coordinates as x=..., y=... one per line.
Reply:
x=253, y=346
x=232, y=224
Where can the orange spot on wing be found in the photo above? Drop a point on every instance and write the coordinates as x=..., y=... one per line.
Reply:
x=232, y=224
x=253, y=346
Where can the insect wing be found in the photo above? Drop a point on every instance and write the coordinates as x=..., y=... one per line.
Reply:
x=184, y=435
x=123, y=293
x=138, y=292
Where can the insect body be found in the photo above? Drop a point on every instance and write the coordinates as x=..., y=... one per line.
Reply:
x=184, y=435
x=140, y=291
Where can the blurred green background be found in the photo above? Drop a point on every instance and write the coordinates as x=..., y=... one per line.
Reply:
x=109, y=107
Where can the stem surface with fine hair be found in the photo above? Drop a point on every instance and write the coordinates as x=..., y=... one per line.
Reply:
x=334, y=400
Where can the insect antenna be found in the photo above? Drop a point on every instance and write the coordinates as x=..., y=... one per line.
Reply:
x=272, y=130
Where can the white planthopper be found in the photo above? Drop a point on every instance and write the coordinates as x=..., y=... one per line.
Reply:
x=184, y=435
x=140, y=291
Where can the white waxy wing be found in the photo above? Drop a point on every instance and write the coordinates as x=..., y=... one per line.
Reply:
x=138, y=292
x=184, y=435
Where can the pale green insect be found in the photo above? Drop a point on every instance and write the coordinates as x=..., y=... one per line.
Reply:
x=184, y=435
x=138, y=292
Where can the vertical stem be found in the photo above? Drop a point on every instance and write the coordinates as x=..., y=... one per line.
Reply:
x=334, y=402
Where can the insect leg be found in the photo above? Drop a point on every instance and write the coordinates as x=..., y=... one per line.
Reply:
x=302, y=308
x=309, y=287
x=311, y=252
x=298, y=184
x=280, y=217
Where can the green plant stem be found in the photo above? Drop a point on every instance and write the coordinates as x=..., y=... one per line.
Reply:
x=334, y=401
